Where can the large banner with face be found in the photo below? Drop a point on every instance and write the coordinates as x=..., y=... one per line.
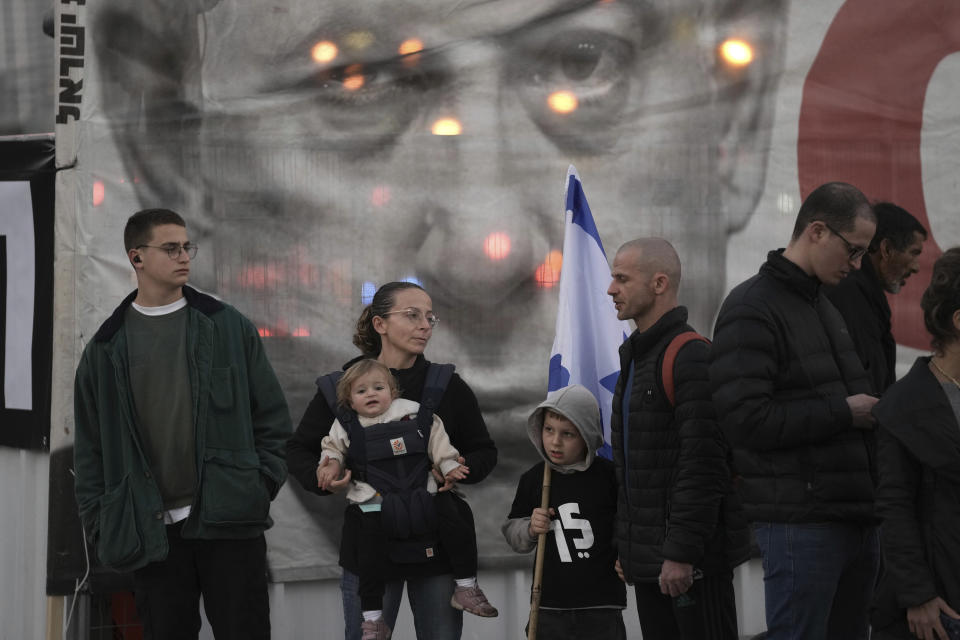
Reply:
x=318, y=150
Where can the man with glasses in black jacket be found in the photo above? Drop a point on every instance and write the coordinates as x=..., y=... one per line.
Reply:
x=792, y=400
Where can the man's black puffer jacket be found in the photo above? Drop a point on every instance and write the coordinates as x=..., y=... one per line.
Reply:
x=782, y=367
x=675, y=499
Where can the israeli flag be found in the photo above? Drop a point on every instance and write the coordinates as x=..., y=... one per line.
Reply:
x=588, y=334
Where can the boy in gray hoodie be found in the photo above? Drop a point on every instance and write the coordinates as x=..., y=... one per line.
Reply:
x=581, y=596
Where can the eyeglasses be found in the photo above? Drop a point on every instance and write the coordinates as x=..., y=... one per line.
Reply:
x=415, y=316
x=853, y=251
x=173, y=249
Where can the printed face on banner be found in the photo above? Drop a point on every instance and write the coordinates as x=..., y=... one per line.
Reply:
x=329, y=148
x=318, y=150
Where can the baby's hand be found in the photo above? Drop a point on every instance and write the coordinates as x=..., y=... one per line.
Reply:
x=540, y=521
x=328, y=472
x=457, y=474
x=444, y=483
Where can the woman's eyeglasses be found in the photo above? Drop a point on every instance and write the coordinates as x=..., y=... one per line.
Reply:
x=415, y=316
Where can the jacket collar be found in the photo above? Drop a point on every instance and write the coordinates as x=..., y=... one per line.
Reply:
x=918, y=413
x=207, y=305
x=867, y=280
x=642, y=341
x=785, y=271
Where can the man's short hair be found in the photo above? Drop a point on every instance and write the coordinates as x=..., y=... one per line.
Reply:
x=140, y=225
x=896, y=226
x=836, y=204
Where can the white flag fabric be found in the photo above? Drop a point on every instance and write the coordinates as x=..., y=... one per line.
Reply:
x=588, y=333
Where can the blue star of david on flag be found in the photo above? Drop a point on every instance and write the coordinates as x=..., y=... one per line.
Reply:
x=588, y=334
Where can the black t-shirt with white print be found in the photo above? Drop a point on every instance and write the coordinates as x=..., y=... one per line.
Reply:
x=578, y=565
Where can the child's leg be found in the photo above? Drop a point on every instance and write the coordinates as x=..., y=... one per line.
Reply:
x=459, y=539
x=373, y=557
x=457, y=533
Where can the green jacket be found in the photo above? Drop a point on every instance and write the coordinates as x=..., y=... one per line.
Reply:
x=241, y=422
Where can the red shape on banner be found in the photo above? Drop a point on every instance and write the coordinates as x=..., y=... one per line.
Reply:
x=862, y=113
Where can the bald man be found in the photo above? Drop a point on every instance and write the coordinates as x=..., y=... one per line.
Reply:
x=680, y=531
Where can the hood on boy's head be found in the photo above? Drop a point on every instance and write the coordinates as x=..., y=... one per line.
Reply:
x=576, y=404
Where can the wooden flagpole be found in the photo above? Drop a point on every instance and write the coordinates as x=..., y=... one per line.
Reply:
x=538, y=566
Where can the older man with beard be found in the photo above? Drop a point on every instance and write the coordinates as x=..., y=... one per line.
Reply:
x=861, y=297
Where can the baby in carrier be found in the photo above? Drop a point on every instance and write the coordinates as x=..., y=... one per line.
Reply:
x=394, y=488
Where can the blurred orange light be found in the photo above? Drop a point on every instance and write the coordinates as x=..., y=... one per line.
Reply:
x=410, y=50
x=264, y=332
x=497, y=245
x=261, y=276
x=446, y=127
x=554, y=260
x=324, y=51
x=99, y=193
x=380, y=196
x=547, y=274
x=562, y=101
x=736, y=52
x=301, y=332
x=354, y=77
x=410, y=45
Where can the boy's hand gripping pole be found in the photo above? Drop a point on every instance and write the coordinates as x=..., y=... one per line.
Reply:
x=538, y=566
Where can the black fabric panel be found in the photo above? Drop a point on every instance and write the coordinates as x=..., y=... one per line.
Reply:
x=31, y=158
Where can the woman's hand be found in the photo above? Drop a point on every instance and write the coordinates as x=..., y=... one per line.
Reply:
x=328, y=475
x=924, y=619
x=540, y=521
x=456, y=474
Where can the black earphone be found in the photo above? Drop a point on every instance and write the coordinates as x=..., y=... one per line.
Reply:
x=137, y=259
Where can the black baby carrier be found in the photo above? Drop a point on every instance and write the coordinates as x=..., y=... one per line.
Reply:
x=393, y=458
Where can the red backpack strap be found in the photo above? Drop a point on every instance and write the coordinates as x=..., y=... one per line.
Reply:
x=670, y=357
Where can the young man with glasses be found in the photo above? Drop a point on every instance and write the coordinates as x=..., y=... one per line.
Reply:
x=792, y=399
x=179, y=444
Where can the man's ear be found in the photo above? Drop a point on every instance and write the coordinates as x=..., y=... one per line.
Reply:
x=886, y=248
x=661, y=282
x=815, y=232
x=133, y=255
x=747, y=97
